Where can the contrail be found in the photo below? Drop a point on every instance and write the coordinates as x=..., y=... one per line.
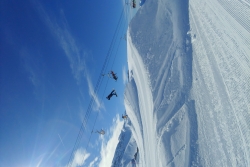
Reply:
x=61, y=139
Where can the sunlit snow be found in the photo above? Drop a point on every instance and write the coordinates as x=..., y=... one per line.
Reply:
x=188, y=96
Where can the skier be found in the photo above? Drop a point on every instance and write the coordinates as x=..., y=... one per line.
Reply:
x=124, y=116
x=113, y=75
x=111, y=94
x=101, y=132
x=133, y=3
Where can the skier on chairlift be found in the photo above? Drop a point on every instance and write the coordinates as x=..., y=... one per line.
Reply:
x=111, y=75
x=111, y=94
x=101, y=132
x=124, y=116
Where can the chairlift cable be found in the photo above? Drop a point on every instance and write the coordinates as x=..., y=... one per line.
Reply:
x=90, y=106
x=93, y=127
x=117, y=48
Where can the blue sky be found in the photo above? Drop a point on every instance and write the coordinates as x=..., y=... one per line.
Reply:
x=51, y=55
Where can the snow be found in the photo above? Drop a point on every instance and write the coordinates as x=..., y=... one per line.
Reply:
x=126, y=148
x=221, y=72
x=188, y=96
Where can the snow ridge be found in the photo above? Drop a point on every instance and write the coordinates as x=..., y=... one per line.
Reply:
x=125, y=148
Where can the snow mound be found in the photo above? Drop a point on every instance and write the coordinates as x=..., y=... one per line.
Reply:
x=126, y=147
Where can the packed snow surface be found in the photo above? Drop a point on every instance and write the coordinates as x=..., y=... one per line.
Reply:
x=188, y=97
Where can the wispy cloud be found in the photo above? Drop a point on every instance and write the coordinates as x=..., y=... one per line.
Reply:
x=98, y=105
x=76, y=55
x=29, y=66
x=60, y=30
x=92, y=163
x=79, y=158
x=109, y=145
x=35, y=69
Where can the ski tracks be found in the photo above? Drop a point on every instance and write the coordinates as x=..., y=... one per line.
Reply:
x=221, y=81
x=145, y=101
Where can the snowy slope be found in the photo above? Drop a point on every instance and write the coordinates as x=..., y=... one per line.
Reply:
x=156, y=99
x=126, y=147
x=221, y=85
x=188, y=96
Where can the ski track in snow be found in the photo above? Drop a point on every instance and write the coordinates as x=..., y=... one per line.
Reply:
x=145, y=105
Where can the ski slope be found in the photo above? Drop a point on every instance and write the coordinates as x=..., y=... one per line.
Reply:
x=221, y=80
x=188, y=95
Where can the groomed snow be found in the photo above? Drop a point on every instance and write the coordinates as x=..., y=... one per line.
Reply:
x=221, y=80
x=188, y=96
